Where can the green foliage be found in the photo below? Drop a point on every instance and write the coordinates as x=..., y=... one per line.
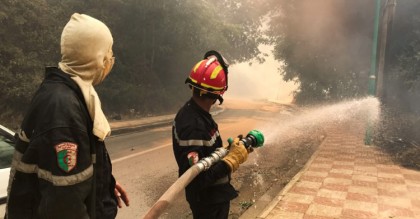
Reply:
x=402, y=79
x=408, y=67
x=23, y=51
x=156, y=43
x=409, y=60
x=245, y=204
x=324, y=45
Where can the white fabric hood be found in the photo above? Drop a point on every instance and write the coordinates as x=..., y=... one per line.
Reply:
x=86, y=44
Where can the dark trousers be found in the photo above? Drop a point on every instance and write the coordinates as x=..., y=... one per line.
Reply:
x=210, y=211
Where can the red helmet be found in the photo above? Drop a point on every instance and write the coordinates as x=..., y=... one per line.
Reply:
x=210, y=75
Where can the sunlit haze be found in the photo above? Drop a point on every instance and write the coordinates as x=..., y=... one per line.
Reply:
x=259, y=81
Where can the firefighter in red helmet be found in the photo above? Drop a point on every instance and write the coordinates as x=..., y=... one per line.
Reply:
x=195, y=135
x=209, y=76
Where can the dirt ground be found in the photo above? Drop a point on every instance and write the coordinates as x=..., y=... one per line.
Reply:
x=272, y=168
x=398, y=135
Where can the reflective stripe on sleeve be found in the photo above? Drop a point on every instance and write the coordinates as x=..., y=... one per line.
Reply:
x=66, y=180
x=47, y=175
x=197, y=142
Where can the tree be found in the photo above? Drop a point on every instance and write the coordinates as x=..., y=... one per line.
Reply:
x=25, y=48
x=155, y=43
x=402, y=79
x=324, y=45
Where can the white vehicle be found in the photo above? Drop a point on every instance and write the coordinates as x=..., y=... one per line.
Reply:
x=7, y=142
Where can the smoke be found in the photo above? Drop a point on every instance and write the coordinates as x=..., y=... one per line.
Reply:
x=260, y=80
x=326, y=44
x=339, y=29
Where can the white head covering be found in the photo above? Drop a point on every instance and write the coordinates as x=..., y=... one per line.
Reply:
x=86, y=44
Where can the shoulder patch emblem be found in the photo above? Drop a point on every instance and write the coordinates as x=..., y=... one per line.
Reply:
x=66, y=155
x=192, y=158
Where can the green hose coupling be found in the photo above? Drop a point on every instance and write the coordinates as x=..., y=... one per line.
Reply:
x=230, y=140
x=253, y=139
x=258, y=136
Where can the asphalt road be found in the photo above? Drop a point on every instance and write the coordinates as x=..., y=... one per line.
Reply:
x=143, y=162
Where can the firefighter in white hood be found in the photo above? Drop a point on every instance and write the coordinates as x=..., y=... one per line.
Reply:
x=61, y=168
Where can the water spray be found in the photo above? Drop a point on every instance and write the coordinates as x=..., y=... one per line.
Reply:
x=253, y=139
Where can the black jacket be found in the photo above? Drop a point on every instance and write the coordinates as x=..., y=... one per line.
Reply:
x=52, y=169
x=194, y=130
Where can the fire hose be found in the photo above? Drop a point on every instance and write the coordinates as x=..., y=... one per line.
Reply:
x=253, y=139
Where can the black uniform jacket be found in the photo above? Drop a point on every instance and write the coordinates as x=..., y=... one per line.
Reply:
x=53, y=168
x=194, y=130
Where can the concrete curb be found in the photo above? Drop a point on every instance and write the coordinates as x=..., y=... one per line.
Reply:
x=142, y=126
x=268, y=201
